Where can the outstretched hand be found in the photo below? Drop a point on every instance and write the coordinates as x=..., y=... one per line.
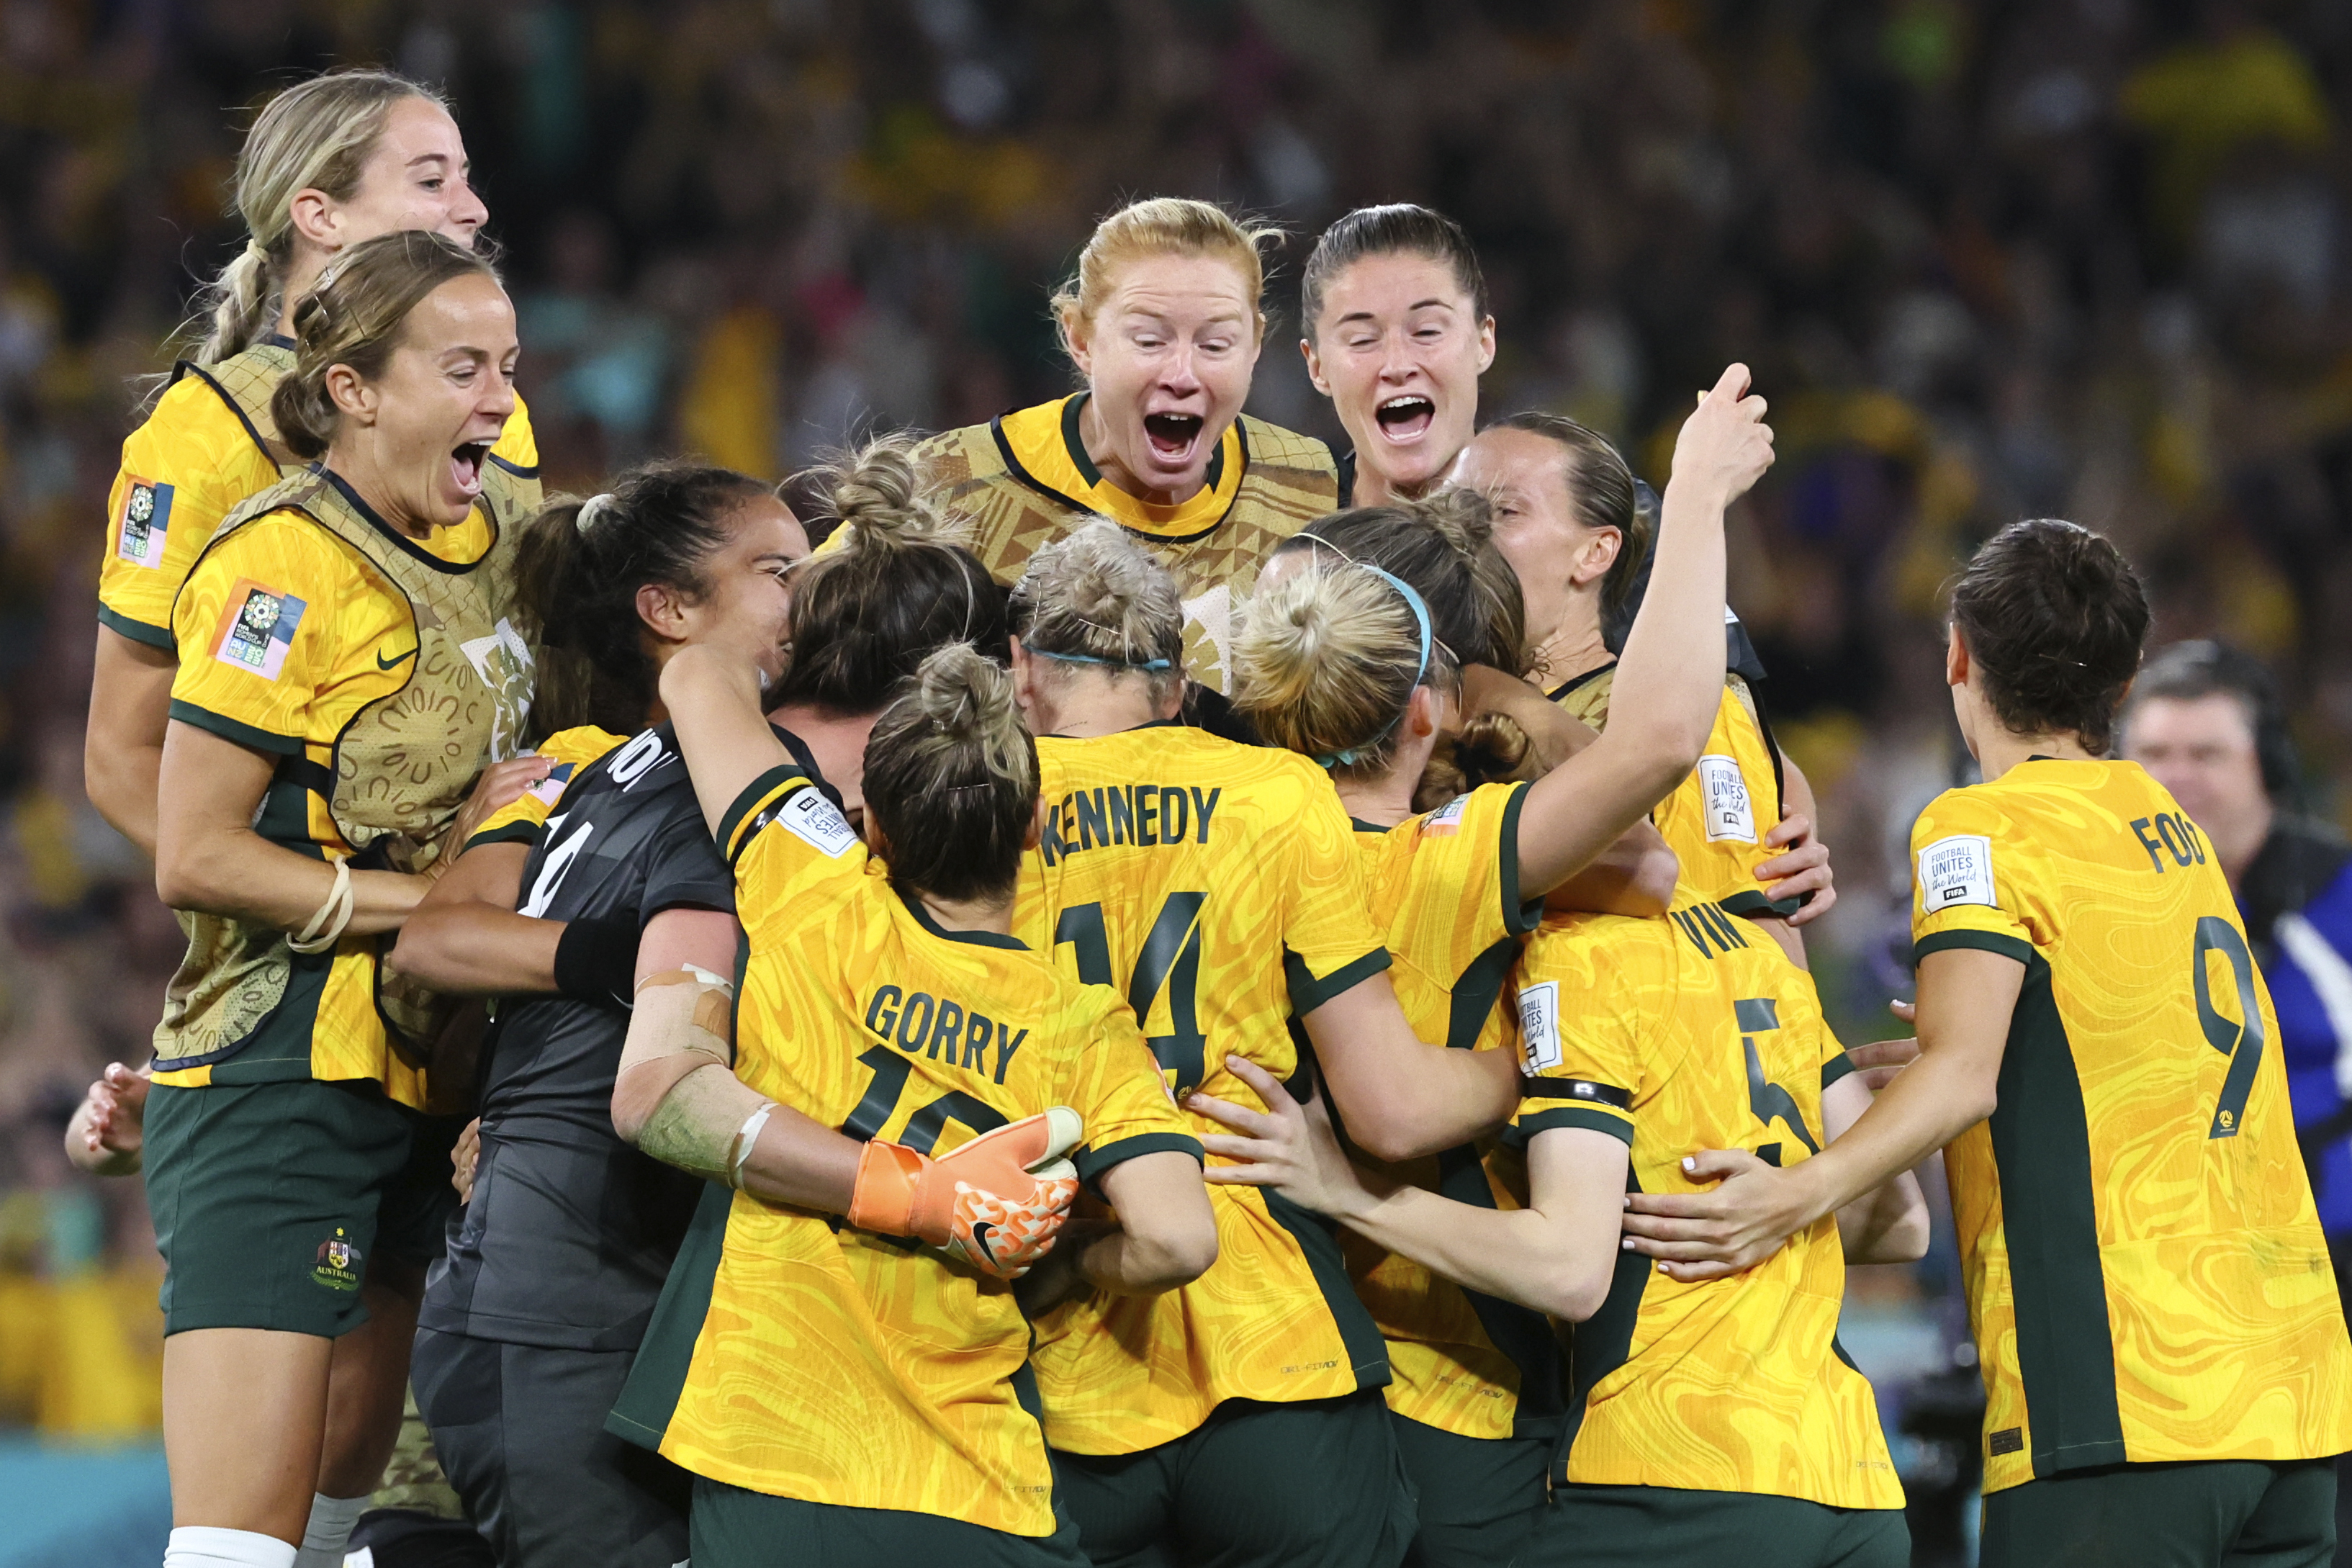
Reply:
x=1291, y=1148
x=1705, y=1236
x=107, y=1136
x=1725, y=445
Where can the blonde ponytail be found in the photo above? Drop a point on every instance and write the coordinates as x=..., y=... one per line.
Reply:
x=951, y=778
x=1327, y=661
x=1096, y=597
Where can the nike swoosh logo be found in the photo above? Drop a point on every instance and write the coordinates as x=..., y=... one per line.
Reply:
x=980, y=1233
x=384, y=663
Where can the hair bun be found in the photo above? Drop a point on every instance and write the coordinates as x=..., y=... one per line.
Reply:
x=878, y=490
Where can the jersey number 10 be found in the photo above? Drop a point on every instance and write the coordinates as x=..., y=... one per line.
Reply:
x=1169, y=960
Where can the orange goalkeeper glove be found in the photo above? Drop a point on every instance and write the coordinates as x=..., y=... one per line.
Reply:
x=997, y=1203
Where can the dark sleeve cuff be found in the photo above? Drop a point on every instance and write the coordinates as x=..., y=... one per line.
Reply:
x=137, y=631
x=1520, y=916
x=759, y=793
x=1092, y=1162
x=1584, y=1116
x=230, y=730
x=1307, y=993
x=527, y=834
x=1837, y=1067
x=1750, y=902
x=1997, y=942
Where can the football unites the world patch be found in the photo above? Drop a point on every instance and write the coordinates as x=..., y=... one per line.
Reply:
x=257, y=627
x=1729, y=812
x=146, y=516
x=1957, y=870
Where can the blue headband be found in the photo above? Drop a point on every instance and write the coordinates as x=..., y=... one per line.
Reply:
x=1357, y=753
x=1149, y=664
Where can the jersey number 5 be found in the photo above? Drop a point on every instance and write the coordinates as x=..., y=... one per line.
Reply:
x=1171, y=961
x=2241, y=1043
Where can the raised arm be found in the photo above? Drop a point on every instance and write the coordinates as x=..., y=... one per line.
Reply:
x=1669, y=680
x=713, y=698
x=1557, y=1255
x=1965, y=998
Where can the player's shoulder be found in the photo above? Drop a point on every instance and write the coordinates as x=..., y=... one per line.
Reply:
x=283, y=544
x=1274, y=446
x=192, y=423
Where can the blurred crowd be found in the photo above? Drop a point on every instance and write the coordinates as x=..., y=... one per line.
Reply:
x=2082, y=257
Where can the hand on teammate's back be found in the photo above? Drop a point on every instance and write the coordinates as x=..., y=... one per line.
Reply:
x=500, y=786
x=996, y=1202
x=1725, y=445
x=1291, y=1148
x=1802, y=867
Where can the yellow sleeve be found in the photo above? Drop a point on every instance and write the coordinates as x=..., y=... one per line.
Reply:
x=1972, y=884
x=1582, y=1033
x=523, y=820
x=783, y=834
x=257, y=632
x=1329, y=942
x=517, y=444
x=1715, y=820
x=187, y=466
x=1126, y=1101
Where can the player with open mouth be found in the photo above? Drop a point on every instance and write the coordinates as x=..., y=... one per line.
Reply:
x=1162, y=323
x=1398, y=332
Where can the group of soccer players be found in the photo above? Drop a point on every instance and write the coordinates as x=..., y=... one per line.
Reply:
x=1163, y=996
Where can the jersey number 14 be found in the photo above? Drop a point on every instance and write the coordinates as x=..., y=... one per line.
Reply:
x=1169, y=960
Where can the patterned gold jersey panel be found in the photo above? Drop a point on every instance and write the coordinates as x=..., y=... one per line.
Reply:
x=1022, y=481
x=2166, y=1293
x=843, y=1368
x=1217, y=887
x=1714, y=821
x=1696, y=1032
x=524, y=818
x=207, y=444
x=1446, y=883
x=285, y=634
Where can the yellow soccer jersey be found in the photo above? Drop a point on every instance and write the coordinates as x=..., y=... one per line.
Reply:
x=797, y=1357
x=1215, y=885
x=187, y=466
x=523, y=819
x=1446, y=886
x=2145, y=1272
x=336, y=637
x=1024, y=478
x=1715, y=819
x=1695, y=1032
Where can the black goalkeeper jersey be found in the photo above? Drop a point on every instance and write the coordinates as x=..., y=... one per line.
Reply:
x=571, y=1231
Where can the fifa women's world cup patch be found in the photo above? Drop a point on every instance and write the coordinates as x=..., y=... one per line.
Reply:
x=146, y=516
x=257, y=627
x=1957, y=870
